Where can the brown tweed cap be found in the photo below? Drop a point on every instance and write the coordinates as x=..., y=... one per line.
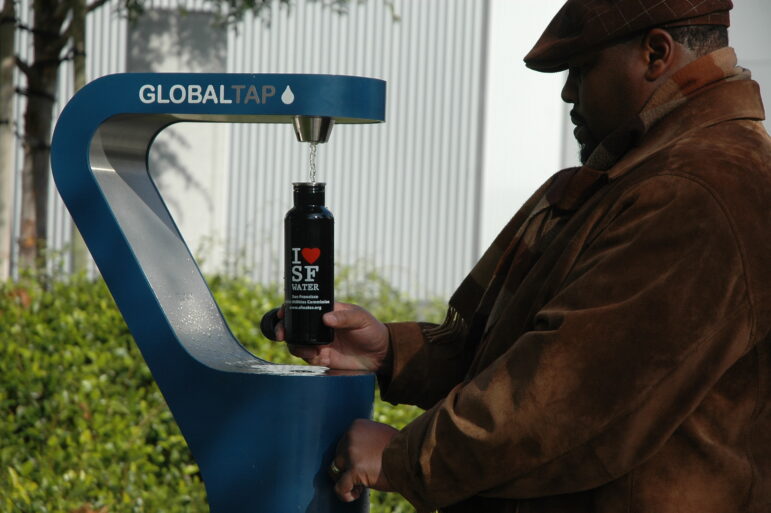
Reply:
x=584, y=24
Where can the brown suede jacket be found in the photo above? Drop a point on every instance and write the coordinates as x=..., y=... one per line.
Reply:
x=631, y=369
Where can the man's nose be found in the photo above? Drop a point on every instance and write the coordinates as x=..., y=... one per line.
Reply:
x=569, y=90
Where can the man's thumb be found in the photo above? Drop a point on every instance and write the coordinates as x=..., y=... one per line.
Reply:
x=346, y=319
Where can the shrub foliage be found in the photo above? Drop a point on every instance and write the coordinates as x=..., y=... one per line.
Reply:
x=83, y=426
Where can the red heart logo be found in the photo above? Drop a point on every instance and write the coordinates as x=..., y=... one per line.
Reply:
x=311, y=254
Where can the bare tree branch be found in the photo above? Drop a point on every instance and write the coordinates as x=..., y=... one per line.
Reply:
x=62, y=9
x=23, y=66
x=96, y=4
x=67, y=31
x=10, y=20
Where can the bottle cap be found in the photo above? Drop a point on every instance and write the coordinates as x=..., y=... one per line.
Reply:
x=308, y=193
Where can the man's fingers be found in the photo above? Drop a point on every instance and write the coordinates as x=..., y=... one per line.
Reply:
x=279, y=330
x=348, y=317
x=307, y=353
x=347, y=488
x=357, y=491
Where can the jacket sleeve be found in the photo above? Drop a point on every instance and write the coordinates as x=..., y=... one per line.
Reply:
x=422, y=372
x=651, y=315
x=426, y=367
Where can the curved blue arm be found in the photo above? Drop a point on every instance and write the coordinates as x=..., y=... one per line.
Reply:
x=262, y=434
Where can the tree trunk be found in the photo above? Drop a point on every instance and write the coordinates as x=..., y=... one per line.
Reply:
x=42, y=84
x=7, y=64
x=78, y=250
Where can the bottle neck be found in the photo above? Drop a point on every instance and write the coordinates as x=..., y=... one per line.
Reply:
x=308, y=194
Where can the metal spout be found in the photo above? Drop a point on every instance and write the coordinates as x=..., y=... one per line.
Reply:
x=313, y=129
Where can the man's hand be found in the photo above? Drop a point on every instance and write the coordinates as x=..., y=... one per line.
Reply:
x=361, y=341
x=359, y=458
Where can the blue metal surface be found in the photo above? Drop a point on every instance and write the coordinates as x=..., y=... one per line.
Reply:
x=263, y=434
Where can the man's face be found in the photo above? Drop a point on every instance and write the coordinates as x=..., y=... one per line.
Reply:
x=606, y=88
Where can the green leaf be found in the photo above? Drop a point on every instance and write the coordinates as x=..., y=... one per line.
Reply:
x=18, y=486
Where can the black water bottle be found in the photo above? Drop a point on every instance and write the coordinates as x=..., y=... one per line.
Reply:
x=309, y=266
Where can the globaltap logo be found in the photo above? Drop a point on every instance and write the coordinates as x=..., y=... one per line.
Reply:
x=240, y=94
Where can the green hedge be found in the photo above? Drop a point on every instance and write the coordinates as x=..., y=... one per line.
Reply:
x=83, y=426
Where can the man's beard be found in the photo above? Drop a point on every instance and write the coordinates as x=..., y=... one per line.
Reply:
x=585, y=150
x=587, y=143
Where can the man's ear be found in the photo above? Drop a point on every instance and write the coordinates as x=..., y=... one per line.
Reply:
x=660, y=53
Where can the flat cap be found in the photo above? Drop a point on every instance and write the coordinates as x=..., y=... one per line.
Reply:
x=584, y=24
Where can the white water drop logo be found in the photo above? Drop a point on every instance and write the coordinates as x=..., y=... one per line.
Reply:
x=287, y=96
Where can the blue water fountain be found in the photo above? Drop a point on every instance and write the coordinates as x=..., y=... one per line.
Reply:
x=262, y=434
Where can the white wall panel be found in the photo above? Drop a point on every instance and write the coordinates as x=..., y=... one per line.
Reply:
x=522, y=138
x=750, y=36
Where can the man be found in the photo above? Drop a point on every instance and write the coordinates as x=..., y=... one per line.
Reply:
x=611, y=351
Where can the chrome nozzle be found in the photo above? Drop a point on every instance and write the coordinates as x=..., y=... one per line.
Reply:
x=312, y=129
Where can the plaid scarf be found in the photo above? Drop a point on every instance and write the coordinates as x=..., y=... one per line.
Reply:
x=519, y=245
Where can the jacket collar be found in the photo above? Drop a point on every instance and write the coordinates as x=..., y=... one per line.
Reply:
x=724, y=101
x=720, y=102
